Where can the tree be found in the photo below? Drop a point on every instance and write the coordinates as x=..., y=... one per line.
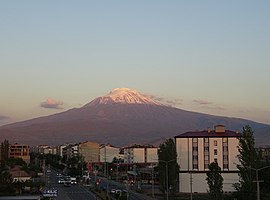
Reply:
x=6, y=187
x=4, y=152
x=168, y=168
x=248, y=158
x=215, y=181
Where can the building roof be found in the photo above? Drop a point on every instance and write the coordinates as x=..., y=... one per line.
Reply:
x=209, y=134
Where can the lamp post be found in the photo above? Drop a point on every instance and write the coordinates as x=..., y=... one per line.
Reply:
x=167, y=176
x=257, y=179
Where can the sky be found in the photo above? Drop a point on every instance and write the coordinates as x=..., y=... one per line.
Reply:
x=204, y=56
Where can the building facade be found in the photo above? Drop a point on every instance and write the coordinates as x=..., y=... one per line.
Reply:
x=140, y=154
x=20, y=151
x=108, y=153
x=89, y=151
x=197, y=149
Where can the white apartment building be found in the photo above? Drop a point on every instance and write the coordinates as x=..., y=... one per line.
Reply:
x=108, y=153
x=45, y=149
x=197, y=149
x=61, y=150
x=72, y=150
x=140, y=154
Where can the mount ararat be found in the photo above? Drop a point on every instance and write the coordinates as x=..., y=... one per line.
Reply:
x=122, y=117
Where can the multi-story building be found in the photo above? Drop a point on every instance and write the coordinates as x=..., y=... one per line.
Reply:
x=140, y=154
x=264, y=151
x=61, y=151
x=72, y=150
x=197, y=149
x=20, y=151
x=45, y=149
x=89, y=151
x=108, y=153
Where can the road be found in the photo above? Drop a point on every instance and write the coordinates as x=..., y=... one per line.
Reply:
x=118, y=186
x=75, y=192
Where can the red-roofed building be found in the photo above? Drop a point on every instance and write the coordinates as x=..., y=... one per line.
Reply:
x=197, y=149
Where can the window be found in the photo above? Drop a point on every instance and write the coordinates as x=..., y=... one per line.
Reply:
x=195, y=166
x=194, y=149
x=195, y=140
x=206, y=148
x=195, y=158
x=215, y=160
x=215, y=152
x=206, y=140
x=215, y=143
x=225, y=166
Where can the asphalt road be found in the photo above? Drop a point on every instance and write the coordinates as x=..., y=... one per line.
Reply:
x=118, y=186
x=74, y=192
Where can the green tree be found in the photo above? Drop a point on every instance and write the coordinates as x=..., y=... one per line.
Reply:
x=4, y=152
x=168, y=169
x=248, y=158
x=215, y=181
x=6, y=185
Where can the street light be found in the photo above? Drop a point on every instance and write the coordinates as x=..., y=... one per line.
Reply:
x=257, y=179
x=167, y=176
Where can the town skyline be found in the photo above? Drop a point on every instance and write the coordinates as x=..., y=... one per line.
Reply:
x=207, y=57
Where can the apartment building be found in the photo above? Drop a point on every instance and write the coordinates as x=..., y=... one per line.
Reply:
x=140, y=154
x=20, y=151
x=197, y=149
x=108, y=153
x=89, y=151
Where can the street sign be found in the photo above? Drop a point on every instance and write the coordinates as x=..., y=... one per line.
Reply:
x=50, y=193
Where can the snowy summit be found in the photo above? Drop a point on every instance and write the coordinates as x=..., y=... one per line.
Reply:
x=124, y=96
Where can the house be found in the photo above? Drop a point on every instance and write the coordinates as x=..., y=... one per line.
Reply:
x=197, y=149
x=19, y=175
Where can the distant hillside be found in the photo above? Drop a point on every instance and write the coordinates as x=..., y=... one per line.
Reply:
x=122, y=117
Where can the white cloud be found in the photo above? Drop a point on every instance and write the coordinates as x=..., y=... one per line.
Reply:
x=52, y=104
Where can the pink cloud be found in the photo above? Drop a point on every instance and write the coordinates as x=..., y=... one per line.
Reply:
x=166, y=101
x=52, y=104
x=208, y=105
x=202, y=102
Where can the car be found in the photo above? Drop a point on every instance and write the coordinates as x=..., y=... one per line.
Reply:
x=61, y=180
x=67, y=183
x=113, y=191
x=118, y=191
x=73, y=181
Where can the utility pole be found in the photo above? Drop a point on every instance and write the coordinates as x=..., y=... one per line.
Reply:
x=106, y=171
x=153, y=183
x=167, y=181
x=257, y=180
x=167, y=176
x=190, y=186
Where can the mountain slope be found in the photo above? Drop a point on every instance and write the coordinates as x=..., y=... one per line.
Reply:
x=122, y=117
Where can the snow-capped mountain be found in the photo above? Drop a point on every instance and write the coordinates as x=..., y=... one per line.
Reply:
x=122, y=117
x=124, y=96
